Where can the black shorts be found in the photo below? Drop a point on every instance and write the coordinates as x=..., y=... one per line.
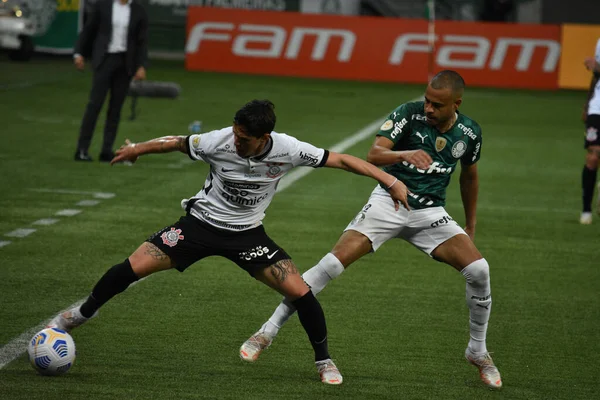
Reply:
x=592, y=130
x=190, y=240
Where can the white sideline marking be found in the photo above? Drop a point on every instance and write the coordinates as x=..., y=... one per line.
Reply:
x=67, y=212
x=17, y=346
x=97, y=195
x=4, y=243
x=87, y=203
x=45, y=221
x=20, y=233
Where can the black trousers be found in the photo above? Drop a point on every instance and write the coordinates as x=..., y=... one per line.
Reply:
x=111, y=75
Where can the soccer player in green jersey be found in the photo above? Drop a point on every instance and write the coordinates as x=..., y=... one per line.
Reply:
x=420, y=144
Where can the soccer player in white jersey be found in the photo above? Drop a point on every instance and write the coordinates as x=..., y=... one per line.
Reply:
x=591, y=117
x=224, y=218
x=421, y=144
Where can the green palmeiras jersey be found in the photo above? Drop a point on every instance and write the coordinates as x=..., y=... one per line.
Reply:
x=407, y=127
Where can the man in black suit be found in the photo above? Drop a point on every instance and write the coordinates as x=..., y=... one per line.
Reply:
x=114, y=37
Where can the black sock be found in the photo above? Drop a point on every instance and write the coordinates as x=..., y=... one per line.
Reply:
x=113, y=282
x=588, y=180
x=312, y=319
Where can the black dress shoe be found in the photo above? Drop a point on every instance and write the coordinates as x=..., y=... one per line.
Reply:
x=107, y=157
x=81, y=155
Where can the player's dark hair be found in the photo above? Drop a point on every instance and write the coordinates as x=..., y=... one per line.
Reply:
x=257, y=117
x=448, y=79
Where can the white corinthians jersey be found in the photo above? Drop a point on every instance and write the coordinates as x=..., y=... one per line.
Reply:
x=237, y=190
x=594, y=106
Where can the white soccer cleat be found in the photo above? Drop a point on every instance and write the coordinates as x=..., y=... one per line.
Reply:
x=329, y=372
x=69, y=320
x=488, y=372
x=586, y=218
x=254, y=346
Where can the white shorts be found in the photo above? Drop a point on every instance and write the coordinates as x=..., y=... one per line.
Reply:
x=425, y=229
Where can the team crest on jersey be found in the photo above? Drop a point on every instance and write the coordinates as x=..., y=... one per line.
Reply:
x=170, y=238
x=440, y=143
x=387, y=125
x=274, y=170
x=591, y=134
x=459, y=149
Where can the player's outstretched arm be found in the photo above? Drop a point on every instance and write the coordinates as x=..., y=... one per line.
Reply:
x=166, y=144
x=381, y=153
x=396, y=188
x=469, y=190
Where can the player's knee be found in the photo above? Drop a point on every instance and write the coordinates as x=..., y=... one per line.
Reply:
x=477, y=273
x=592, y=157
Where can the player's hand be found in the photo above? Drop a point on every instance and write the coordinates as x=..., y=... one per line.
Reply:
x=140, y=74
x=79, y=62
x=470, y=230
x=127, y=152
x=399, y=193
x=590, y=63
x=418, y=158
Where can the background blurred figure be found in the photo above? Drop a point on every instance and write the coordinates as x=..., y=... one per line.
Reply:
x=591, y=117
x=114, y=37
x=497, y=10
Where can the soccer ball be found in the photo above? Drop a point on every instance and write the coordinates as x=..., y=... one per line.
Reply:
x=51, y=351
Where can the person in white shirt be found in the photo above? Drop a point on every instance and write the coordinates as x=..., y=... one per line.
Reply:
x=247, y=161
x=114, y=38
x=591, y=117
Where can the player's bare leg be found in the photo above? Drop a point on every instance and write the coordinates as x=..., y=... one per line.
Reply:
x=146, y=260
x=461, y=253
x=351, y=246
x=284, y=277
x=588, y=183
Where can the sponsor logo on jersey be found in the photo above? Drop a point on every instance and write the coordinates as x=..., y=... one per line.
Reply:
x=440, y=143
x=252, y=175
x=419, y=117
x=239, y=185
x=398, y=127
x=240, y=198
x=591, y=134
x=278, y=156
x=225, y=149
x=311, y=158
x=468, y=131
x=387, y=125
x=458, y=149
x=274, y=170
x=170, y=238
x=476, y=151
x=446, y=219
x=435, y=167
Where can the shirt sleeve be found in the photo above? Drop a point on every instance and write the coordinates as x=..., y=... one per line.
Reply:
x=305, y=154
x=473, y=152
x=397, y=124
x=198, y=146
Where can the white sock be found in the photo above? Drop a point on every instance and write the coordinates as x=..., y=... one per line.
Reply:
x=317, y=278
x=479, y=301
